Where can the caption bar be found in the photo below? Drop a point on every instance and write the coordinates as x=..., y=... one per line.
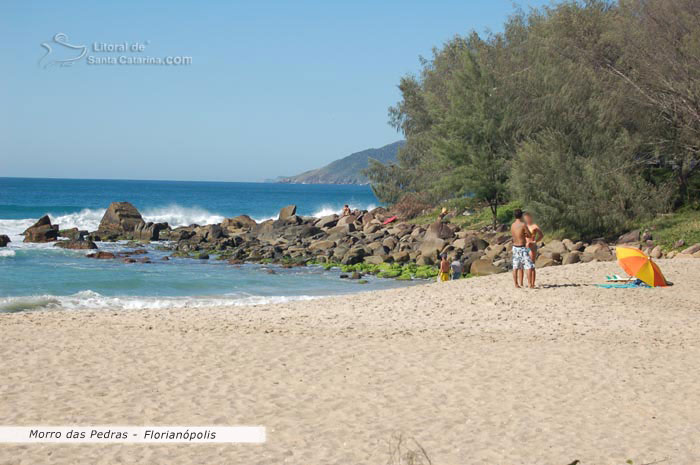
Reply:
x=133, y=434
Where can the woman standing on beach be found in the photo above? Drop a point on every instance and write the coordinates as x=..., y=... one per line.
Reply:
x=535, y=236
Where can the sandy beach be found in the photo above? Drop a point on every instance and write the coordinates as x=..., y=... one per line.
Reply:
x=475, y=371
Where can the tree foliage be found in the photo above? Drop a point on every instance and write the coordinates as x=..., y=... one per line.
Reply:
x=587, y=112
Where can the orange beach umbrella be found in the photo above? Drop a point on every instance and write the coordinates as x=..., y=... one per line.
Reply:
x=636, y=263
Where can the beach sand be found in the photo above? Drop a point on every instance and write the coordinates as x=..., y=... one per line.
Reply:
x=475, y=371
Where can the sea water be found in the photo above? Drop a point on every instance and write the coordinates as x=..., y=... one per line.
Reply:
x=41, y=276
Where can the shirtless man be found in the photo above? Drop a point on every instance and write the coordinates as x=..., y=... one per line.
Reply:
x=521, y=257
x=537, y=235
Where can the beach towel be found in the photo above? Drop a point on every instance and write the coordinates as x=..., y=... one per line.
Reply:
x=626, y=285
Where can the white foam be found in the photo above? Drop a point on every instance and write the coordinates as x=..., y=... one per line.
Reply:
x=177, y=215
x=327, y=210
x=90, y=300
x=7, y=253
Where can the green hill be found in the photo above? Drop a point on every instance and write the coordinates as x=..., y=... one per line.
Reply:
x=347, y=170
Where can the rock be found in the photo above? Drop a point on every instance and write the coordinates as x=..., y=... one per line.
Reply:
x=72, y=233
x=439, y=230
x=376, y=259
x=287, y=212
x=495, y=251
x=210, y=232
x=4, y=240
x=350, y=219
x=401, y=257
x=321, y=245
x=691, y=250
x=679, y=243
x=342, y=229
x=484, y=267
x=42, y=231
x=432, y=247
x=632, y=236
x=569, y=244
x=556, y=256
x=355, y=275
x=76, y=244
x=101, y=255
x=202, y=256
x=239, y=222
x=647, y=236
x=571, y=258
x=371, y=228
x=656, y=252
x=544, y=262
x=149, y=231
x=120, y=219
x=353, y=256
x=165, y=259
x=425, y=260
x=555, y=246
x=327, y=222
x=599, y=251
x=479, y=244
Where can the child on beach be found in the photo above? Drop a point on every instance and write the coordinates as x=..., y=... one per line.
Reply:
x=456, y=267
x=444, y=269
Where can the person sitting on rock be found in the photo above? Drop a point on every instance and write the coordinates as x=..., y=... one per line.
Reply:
x=444, y=269
x=346, y=210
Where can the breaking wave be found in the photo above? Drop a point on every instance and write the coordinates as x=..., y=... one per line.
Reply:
x=90, y=300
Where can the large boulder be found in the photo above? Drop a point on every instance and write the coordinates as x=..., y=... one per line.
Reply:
x=321, y=245
x=76, y=244
x=327, y=221
x=4, y=240
x=120, y=220
x=598, y=251
x=41, y=231
x=439, y=230
x=632, y=236
x=556, y=246
x=149, y=231
x=72, y=233
x=692, y=249
x=571, y=258
x=484, y=267
x=239, y=222
x=543, y=262
x=288, y=211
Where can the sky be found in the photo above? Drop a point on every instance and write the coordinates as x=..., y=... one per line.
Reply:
x=272, y=89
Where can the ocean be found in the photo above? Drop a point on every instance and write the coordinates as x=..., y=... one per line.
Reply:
x=41, y=276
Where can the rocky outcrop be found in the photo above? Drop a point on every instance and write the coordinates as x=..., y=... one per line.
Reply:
x=119, y=221
x=239, y=222
x=76, y=244
x=4, y=240
x=42, y=231
x=73, y=234
x=287, y=212
x=148, y=231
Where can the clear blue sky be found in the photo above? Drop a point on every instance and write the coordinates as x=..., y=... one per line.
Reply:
x=274, y=88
